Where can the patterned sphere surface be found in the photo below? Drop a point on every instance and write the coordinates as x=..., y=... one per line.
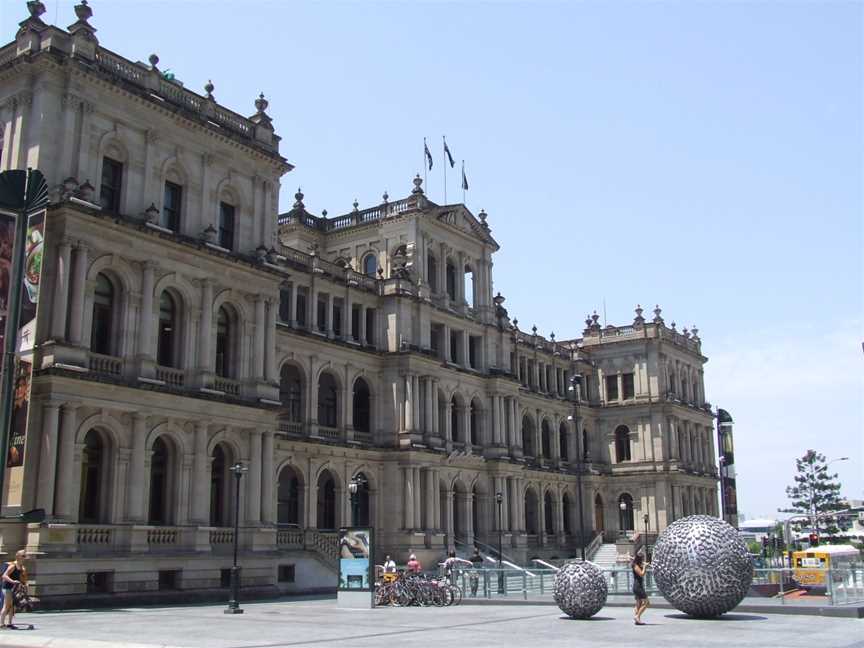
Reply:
x=580, y=589
x=702, y=566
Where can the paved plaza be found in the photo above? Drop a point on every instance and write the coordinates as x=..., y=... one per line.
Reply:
x=321, y=623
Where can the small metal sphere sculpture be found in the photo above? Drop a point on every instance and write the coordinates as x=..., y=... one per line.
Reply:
x=702, y=566
x=580, y=589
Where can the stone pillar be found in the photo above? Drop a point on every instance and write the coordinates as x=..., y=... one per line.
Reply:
x=448, y=421
x=416, y=396
x=436, y=499
x=61, y=291
x=258, y=349
x=295, y=296
x=466, y=355
x=66, y=497
x=267, y=479
x=469, y=514
x=253, y=485
x=79, y=288
x=363, y=325
x=205, y=325
x=48, y=457
x=409, y=403
x=145, y=317
x=428, y=418
x=418, y=510
x=448, y=516
x=136, y=492
x=436, y=422
x=445, y=347
x=270, y=342
x=201, y=476
x=328, y=315
x=431, y=496
x=407, y=498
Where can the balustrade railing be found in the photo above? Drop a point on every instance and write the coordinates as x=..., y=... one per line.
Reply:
x=290, y=539
x=105, y=364
x=294, y=428
x=227, y=385
x=327, y=543
x=163, y=536
x=94, y=535
x=221, y=536
x=329, y=432
x=171, y=376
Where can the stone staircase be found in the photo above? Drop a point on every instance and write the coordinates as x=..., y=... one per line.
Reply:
x=606, y=556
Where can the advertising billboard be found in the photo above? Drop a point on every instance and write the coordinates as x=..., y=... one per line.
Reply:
x=355, y=560
x=726, y=447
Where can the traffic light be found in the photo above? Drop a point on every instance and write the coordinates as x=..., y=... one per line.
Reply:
x=814, y=540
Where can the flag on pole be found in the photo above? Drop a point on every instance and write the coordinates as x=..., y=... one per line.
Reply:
x=447, y=153
x=464, y=178
x=428, y=154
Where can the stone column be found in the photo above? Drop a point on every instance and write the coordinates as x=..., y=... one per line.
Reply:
x=66, y=497
x=205, y=325
x=267, y=479
x=407, y=498
x=328, y=315
x=79, y=288
x=436, y=423
x=466, y=355
x=513, y=507
x=48, y=457
x=253, y=485
x=145, y=317
x=431, y=496
x=200, y=476
x=260, y=325
x=409, y=403
x=445, y=346
x=469, y=514
x=136, y=492
x=362, y=325
x=436, y=499
x=270, y=342
x=448, y=516
x=448, y=420
x=61, y=291
x=428, y=418
x=416, y=396
x=418, y=510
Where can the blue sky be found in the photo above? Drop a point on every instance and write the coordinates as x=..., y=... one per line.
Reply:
x=703, y=156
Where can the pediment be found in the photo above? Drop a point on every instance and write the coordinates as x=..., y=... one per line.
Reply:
x=458, y=217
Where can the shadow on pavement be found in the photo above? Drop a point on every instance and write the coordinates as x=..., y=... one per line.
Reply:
x=564, y=617
x=724, y=617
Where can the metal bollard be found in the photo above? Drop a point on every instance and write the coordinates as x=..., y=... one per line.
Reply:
x=524, y=585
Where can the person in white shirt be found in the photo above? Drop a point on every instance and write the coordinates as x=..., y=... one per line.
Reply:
x=389, y=565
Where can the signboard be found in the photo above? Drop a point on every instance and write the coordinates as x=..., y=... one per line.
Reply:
x=355, y=559
x=726, y=446
x=7, y=243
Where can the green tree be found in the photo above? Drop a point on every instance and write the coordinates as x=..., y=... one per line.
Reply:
x=815, y=492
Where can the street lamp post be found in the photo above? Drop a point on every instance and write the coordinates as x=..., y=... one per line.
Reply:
x=354, y=487
x=499, y=499
x=575, y=382
x=645, y=519
x=234, y=604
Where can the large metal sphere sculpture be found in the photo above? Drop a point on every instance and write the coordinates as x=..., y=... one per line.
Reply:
x=702, y=566
x=580, y=589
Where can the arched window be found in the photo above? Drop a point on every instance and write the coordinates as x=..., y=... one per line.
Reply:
x=565, y=512
x=531, y=512
x=166, y=342
x=102, y=329
x=159, y=489
x=622, y=444
x=432, y=273
x=625, y=512
x=221, y=504
x=474, y=418
x=672, y=383
x=362, y=409
x=546, y=439
x=93, y=468
x=289, y=497
x=470, y=286
x=224, y=343
x=450, y=272
x=291, y=394
x=548, y=513
x=528, y=437
x=456, y=420
x=361, y=497
x=328, y=401
x=370, y=265
x=326, y=501
x=562, y=441
x=586, y=450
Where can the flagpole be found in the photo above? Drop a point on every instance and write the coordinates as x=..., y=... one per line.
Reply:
x=463, y=182
x=444, y=167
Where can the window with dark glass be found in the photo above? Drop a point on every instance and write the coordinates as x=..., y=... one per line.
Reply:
x=103, y=311
x=223, y=333
x=300, y=315
x=627, y=385
x=622, y=444
x=109, y=189
x=361, y=406
x=288, y=497
x=328, y=402
x=370, y=326
x=432, y=273
x=290, y=394
x=226, y=226
x=625, y=513
x=285, y=296
x=167, y=333
x=171, y=205
x=370, y=265
x=337, y=319
x=158, y=483
x=92, y=462
x=450, y=272
x=356, y=314
x=322, y=315
x=611, y=388
x=562, y=442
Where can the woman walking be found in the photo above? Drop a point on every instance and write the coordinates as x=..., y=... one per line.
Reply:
x=14, y=575
x=639, y=588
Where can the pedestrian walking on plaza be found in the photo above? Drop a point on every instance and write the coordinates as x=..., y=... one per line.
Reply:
x=14, y=575
x=639, y=567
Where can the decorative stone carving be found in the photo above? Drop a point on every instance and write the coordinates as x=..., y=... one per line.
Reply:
x=702, y=566
x=580, y=589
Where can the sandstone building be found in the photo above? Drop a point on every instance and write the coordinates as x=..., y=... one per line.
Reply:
x=185, y=325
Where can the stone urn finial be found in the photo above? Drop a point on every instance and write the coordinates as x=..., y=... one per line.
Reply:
x=261, y=104
x=418, y=181
x=209, y=88
x=298, y=199
x=83, y=11
x=35, y=8
x=356, y=205
x=154, y=61
x=386, y=196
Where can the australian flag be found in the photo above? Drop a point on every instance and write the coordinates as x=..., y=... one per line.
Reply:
x=428, y=154
x=464, y=180
x=449, y=156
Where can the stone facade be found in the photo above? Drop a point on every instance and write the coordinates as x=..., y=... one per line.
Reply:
x=186, y=325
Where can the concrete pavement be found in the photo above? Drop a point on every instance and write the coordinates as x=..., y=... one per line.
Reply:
x=321, y=623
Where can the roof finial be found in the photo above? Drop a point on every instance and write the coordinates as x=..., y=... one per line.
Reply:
x=638, y=320
x=35, y=8
x=261, y=104
x=657, y=318
x=298, y=199
x=417, y=182
x=356, y=205
x=386, y=196
x=209, y=88
x=154, y=60
x=83, y=12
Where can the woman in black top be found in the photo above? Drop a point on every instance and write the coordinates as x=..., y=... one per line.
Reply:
x=639, y=588
x=14, y=574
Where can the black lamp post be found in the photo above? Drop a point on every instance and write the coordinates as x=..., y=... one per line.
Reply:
x=354, y=487
x=234, y=604
x=499, y=499
x=645, y=519
x=575, y=382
